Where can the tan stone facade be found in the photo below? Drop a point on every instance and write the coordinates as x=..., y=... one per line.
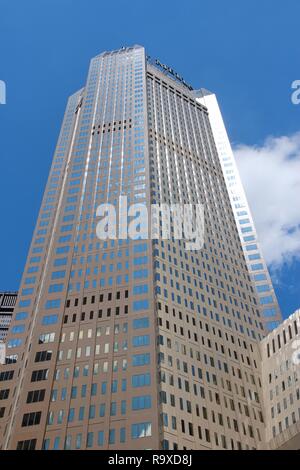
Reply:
x=281, y=384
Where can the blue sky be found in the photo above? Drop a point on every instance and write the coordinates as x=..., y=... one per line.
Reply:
x=247, y=52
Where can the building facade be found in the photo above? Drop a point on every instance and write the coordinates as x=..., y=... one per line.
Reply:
x=7, y=304
x=129, y=342
x=280, y=352
x=257, y=266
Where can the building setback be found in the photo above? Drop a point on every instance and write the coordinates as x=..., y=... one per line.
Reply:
x=133, y=344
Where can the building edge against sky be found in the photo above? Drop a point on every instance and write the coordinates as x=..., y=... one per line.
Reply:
x=250, y=240
x=133, y=343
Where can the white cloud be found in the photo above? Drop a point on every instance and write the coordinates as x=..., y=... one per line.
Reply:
x=271, y=178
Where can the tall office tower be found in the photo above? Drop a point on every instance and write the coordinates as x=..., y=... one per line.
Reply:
x=280, y=352
x=7, y=304
x=268, y=304
x=130, y=343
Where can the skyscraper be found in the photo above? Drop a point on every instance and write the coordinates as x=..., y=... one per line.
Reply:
x=132, y=342
x=268, y=304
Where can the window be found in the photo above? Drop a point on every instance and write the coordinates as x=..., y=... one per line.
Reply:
x=246, y=229
x=58, y=275
x=4, y=394
x=56, y=443
x=46, y=338
x=111, y=436
x=113, y=408
x=263, y=288
x=56, y=288
x=140, y=323
x=254, y=257
x=18, y=329
x=141, y=402
x=141, y=359
x=35, y=396
x=54, y=303
x=123, y=407
x=60, y=416
x=266, y=300
x=78, y=441
x=143, y=340
x=68, y=442
x=49, y=319
x=260, y=277
x=31, y=419
x=81, y=413
x=21, y=316
x=38, y=375
x=71, y=415
x=249, y=238
x=90, y=439
x=100, y=438
x=244, y=221
x=140, y=430
x=122, y=434
x=142, y=304
x=92, y=411
x=7, y=375
x=114, y=386
x=60, y=261
x=26, y=445
x=102, y=410
x=142, y=273
x=42, y=356
x=14, y=343
x=257, y=267
x=141, y=289
x=141, y=380
x=24, y=303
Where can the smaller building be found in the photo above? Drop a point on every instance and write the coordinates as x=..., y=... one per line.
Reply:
x=280, y=352
x=7, y=305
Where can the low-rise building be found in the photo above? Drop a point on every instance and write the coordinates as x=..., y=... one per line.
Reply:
x=280, y=352
x=7, y=305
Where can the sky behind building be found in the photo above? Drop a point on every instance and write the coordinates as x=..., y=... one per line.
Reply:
x=246, y=53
